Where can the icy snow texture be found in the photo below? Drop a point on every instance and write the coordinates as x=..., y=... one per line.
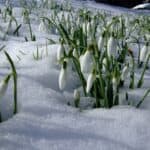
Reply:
x=45, y=122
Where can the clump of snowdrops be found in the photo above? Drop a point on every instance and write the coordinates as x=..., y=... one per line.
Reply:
x=11, y=26
x=4, y=85
x=98, y=47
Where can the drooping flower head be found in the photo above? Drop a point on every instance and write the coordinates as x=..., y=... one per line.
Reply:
x=90, y=81
x=63, y=76
x=112, y=46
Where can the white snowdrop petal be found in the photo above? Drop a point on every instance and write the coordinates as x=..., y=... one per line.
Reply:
x=88, y=28
x=86, y=62
x=125, y=72
x=111, y=47
x=62, y=78
x=60, y=52
x=143, y=53
x=104, y=64
x=90, y=81
x=84, y=28
x=100, y=43
x=75, y=53
x=114, y=82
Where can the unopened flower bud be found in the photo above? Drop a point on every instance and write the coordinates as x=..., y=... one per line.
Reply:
x=63, y=76
x=90, y=80
x=124, y=73
x=112, y=47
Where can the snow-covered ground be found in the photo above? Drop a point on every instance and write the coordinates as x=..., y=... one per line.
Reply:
x=45, y=121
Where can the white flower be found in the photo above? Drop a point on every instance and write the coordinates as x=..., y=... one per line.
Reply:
x=90, y=80
x=76, y=94
x=75, y=54
x=144, y=52
x=100, y=42
x=114, y=83
x=84, y=28
x=124, y=73
x=86, y=62
x=104, y=64
x=88, y=28
x=60, y=52
x=112, y=47
x=62, y=78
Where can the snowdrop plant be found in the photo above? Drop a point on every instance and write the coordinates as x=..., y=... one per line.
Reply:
x=12, y=26
x=26, y=20
x=14, y=75
x=99, y=51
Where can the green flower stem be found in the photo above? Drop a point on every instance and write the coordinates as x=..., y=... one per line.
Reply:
x=14, y=73
x=30, y=29
x=102, y=90
x=140, y=83
x=96, y=95
x=141, y=101
x=131, y=86
x=139, y=51
x=77, y=65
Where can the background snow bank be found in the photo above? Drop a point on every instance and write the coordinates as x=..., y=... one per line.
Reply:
x=46, y=122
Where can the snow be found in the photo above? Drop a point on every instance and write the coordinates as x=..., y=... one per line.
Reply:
x=46, y=122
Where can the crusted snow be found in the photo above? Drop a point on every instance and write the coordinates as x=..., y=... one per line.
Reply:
x=46, y=122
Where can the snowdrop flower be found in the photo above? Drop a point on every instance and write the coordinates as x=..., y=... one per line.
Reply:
x=60, y=52
x=101, y=42
x=104, y=64
x=86, y=61
x=124, y=73
x=112, y=47
x=84, y=28
x=88, y=28
x=4, y=85
x=90, y=80
x=114, y=83
x=143, y=54
x=63, y=76
x=75, y=54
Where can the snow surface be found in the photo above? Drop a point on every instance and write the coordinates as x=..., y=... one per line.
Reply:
x=46, y=122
